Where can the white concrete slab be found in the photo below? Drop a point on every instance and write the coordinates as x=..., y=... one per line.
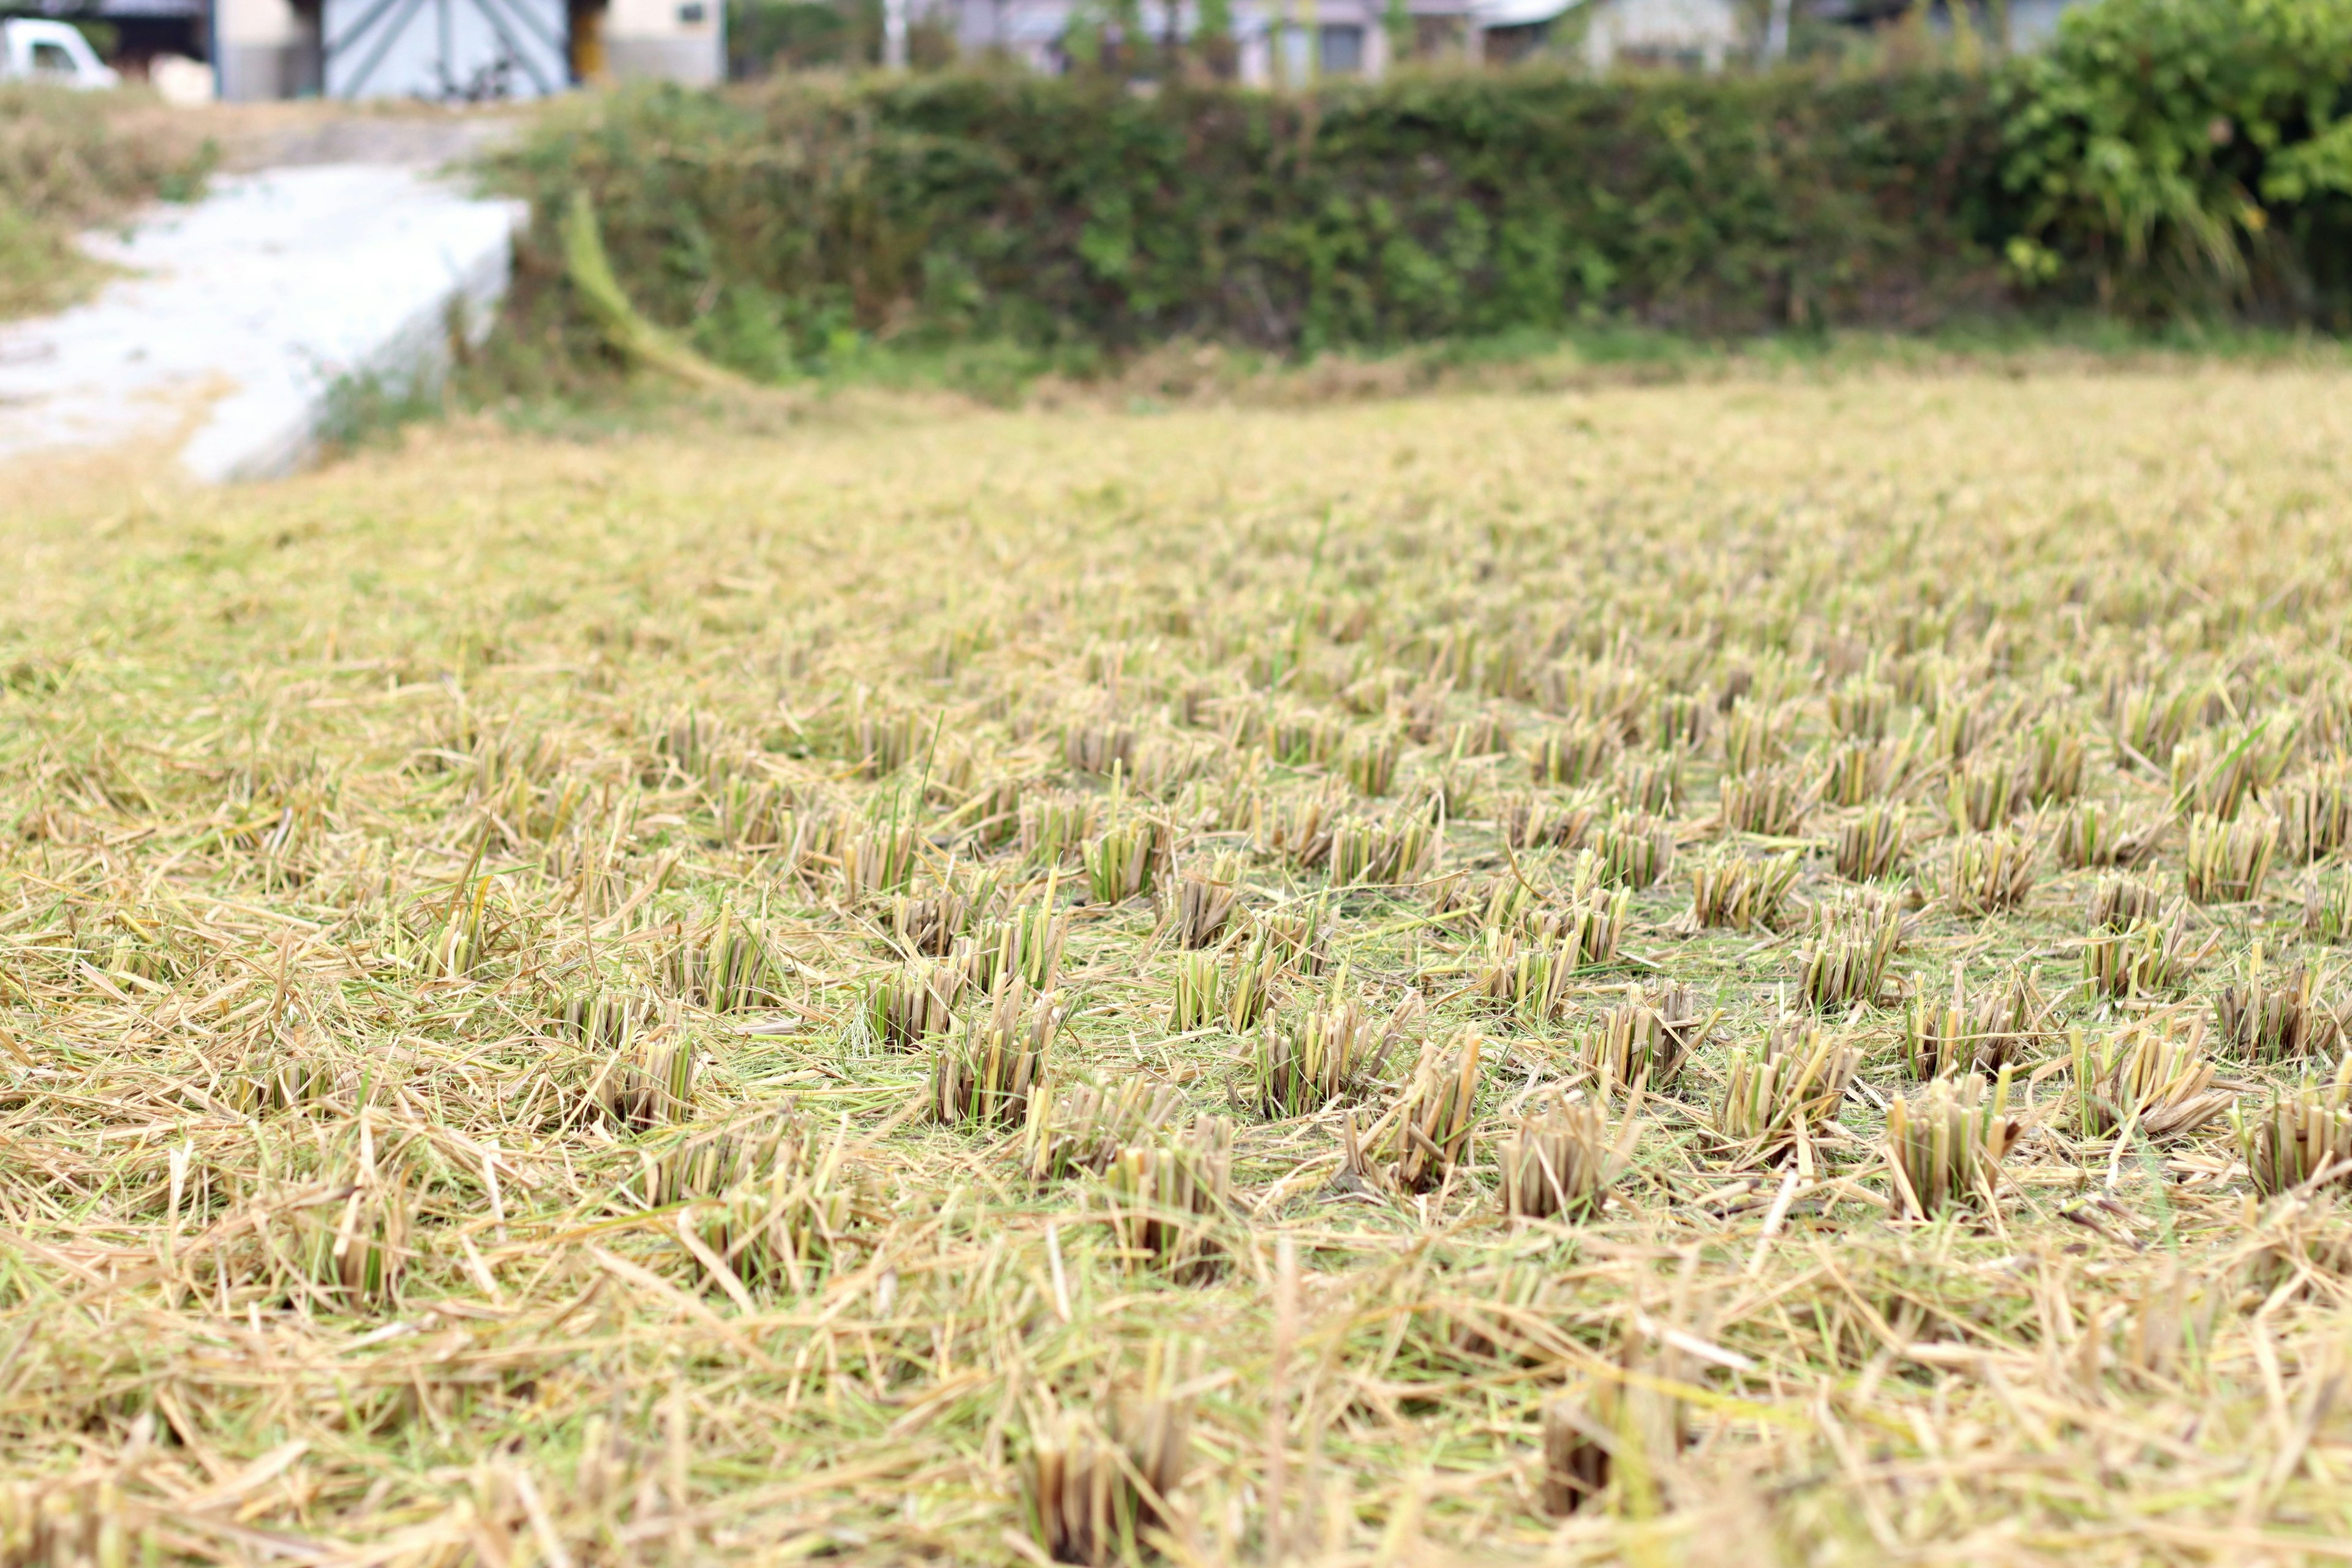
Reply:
x=249, y=307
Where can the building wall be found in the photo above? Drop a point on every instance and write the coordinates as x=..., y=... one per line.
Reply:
x=2034, y=23
x=689, y=60
x=263, y=50
x=1290, y=42
x=1031, y=30
x=1661, y=32
x=665, y=40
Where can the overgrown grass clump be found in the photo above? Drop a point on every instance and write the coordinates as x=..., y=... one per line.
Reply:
x=68, y=160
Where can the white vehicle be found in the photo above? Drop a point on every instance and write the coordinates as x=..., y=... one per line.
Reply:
x=36, y=51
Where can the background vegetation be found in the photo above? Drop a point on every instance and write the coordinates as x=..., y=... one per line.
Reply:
x=2165, y=159
x=1059, y=212
x=2178, y=154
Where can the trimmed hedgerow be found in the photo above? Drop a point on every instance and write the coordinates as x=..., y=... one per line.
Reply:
x=1059, y=212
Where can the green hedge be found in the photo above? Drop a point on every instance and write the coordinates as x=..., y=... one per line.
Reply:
x=770, y=223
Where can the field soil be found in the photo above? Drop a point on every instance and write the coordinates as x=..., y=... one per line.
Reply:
x=1717, y=974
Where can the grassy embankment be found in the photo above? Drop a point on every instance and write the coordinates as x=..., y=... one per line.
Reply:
x=70, y=159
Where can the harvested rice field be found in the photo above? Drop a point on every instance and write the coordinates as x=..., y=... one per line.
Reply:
x=1726, y=974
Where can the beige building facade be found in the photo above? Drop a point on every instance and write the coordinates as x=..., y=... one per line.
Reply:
x=459, y=50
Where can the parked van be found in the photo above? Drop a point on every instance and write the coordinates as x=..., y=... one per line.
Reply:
x=35, y=50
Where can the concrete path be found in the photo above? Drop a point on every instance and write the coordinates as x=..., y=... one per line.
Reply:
x=246, y=310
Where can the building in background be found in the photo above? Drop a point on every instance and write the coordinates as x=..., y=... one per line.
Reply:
x=1277, y=42
x=458, y=51
x=1274, y=43
x=1657, y=35
x=486, y=51
x=1287, y=41
x=264, y=48
x=2022, y=25
x=664, y=40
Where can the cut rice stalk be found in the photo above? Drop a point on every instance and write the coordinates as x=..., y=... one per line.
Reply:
x=905, y=1008
x=1305, y=1064
x=1786, y=1090
x=1946, y=1144
x=2302, y=1137
x=1871, y=847
x=2159, y=1082
x=1167, y=1198
x=2272, y=1018
x=1644, y=1041
x=1096, y=1498
x=2226, y=861
x=1561, y=1162
x=1610, y=1432
x=1987, y=1037
x=986, y=1075
x=1845, y=960
x=1206, y=902
x=1428, y=1127
x=1734, y=890
x=1081, y=1127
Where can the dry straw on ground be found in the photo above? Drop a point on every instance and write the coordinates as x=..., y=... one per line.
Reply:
x=1691, y=976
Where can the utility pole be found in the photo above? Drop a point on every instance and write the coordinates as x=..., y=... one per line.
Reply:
x=894, y=35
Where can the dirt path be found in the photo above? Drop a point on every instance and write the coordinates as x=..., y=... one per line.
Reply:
x=342, y=250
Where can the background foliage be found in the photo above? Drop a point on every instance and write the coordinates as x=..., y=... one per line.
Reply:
x=2194, y=151
x=2166, y=156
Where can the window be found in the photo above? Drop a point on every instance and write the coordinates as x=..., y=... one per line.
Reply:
x=52, y=59
x=1292, y=41
x=1342, y=53
x=1434, y=35
x=1506, y=46
x=1661, y=58
x=1335, y=50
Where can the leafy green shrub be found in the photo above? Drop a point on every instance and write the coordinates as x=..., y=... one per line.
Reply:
x=2178, y=153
